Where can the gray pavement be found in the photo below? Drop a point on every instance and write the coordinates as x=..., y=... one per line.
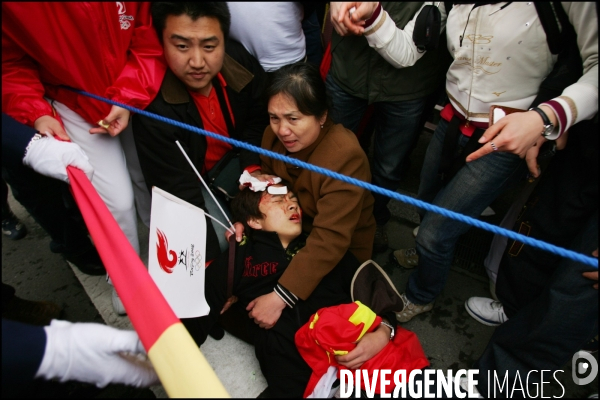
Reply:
x=450, y=337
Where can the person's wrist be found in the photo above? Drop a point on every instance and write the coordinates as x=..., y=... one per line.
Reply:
x=548, y=127
x=371, y=20
x=57, y=355
x=388, y=328
x=34, y=140
x=282, y=303
x=550, y=114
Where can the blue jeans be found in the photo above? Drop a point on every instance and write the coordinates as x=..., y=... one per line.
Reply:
x=471, y=190
x=396, y=125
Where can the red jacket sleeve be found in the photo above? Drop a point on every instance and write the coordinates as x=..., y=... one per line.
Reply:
x=22, y=90
x=140, y=80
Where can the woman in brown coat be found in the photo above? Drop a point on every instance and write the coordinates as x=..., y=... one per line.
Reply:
x=338, y=216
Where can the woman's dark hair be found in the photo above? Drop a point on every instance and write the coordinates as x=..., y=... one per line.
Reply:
x=219, y=10
x=245, y=205
x=302, y=82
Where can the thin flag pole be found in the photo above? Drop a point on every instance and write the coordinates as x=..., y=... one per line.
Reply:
x=232, y=230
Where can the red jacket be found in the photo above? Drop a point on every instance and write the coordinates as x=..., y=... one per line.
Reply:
x=109, y=49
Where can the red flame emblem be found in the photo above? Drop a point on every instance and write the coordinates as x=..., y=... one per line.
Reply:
x=162, y=252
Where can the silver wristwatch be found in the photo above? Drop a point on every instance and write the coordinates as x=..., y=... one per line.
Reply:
x=391, y=327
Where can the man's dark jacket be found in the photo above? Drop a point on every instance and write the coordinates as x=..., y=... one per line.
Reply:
x=163, y=164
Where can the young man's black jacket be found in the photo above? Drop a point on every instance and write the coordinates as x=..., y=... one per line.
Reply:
x=163, y=164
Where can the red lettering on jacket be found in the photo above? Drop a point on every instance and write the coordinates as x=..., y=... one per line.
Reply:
x=263, y=269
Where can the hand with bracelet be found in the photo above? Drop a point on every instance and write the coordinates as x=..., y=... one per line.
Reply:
x=519, y=133
x=368, y=347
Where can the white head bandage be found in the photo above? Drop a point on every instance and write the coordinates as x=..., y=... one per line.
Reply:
x=259, y=186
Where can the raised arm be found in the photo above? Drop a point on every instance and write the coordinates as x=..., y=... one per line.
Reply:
x=395, y=45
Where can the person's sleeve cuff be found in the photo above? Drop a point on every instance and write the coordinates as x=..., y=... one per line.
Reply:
x=288, y=297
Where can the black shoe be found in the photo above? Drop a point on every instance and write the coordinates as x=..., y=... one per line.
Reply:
x=30, y=312
x=88, y=262
x=12, y=227
x=380, y=243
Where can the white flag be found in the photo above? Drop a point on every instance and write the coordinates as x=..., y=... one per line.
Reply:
x=177, y=253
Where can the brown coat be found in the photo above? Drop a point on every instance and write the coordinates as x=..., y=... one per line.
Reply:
x=337, y=215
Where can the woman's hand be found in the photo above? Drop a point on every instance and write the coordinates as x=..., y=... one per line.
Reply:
x=115, y=122
x=370, y=344
x=266, y=310
x=50, y=126
x=517, y=133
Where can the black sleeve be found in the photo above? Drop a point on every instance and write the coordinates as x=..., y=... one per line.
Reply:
x=163, y=164
x=15, y=138
x=250, y=105
x=23, y=348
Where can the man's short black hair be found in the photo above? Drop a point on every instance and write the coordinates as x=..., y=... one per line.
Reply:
x=219, y=10
x=245, y=206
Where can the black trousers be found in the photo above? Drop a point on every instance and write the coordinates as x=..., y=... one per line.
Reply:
x=52, y=206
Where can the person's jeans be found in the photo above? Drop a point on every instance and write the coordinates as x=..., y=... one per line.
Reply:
x=396, y=125
x=471, y=190
x=546, y=333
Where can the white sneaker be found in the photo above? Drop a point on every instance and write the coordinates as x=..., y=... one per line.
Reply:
x=488, y=212
x=464, y=384
x=487, y=311
x=415, y=231
x=117, y=304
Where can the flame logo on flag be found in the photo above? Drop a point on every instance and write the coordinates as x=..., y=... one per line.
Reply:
x=162, y=252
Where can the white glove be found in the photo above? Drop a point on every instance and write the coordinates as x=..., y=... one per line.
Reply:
x=95, y=353
x=51, y=157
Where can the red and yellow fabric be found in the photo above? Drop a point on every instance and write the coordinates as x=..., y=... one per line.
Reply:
x=181, y=367
x=335, y=331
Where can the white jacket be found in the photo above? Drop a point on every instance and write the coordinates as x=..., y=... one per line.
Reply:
x=504, y=58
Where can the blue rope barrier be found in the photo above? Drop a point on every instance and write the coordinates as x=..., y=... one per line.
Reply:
x=584, y=259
